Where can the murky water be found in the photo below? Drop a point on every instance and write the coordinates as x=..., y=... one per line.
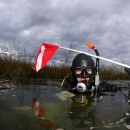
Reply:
x=18, y=110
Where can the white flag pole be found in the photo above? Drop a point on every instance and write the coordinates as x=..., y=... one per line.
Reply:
x=99, y=57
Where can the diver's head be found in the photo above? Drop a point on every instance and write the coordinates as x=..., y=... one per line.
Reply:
x=83, y=68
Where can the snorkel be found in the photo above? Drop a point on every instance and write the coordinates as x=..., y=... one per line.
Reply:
x=91, y=46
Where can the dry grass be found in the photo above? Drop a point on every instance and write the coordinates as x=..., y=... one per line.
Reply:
x=12, y=69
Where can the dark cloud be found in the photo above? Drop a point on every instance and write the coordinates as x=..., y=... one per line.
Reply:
x=105, y=23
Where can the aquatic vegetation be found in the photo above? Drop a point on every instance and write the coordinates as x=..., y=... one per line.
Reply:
x=21, y=71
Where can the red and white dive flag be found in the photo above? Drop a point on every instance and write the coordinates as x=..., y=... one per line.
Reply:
x=45, y=53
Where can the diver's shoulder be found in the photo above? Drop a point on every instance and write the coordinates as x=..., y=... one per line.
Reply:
x=67, y=78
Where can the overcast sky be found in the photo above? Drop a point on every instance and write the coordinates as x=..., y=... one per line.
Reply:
x=105, y=23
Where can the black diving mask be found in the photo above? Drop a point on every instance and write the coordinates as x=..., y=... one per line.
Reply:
x=83, y=72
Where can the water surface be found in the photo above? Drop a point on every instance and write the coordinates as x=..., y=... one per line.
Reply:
x=17, y=113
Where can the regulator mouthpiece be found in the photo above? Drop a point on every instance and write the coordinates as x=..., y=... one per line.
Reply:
x=81, y=87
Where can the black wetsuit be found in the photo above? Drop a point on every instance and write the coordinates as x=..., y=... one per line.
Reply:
x=69, y=83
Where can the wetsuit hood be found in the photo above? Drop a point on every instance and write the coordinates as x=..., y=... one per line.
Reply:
x=83, y=61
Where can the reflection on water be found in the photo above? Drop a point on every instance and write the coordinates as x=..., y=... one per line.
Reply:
x=82, y=112
x=38, y=108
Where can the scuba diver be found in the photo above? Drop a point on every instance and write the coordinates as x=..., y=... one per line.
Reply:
x=81, y=83
x=82, y=77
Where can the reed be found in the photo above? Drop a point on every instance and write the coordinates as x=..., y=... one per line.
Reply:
x=14, y=69
x=113, y=73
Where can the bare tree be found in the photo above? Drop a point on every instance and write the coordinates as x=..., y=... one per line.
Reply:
x=68, y=55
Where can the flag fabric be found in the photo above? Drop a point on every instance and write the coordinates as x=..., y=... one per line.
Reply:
x=45, y=53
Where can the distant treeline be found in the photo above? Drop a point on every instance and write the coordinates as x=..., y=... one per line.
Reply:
x=12, y=69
